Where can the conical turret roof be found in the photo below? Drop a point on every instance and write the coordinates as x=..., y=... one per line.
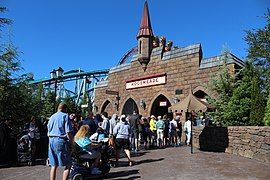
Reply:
x=145, y=27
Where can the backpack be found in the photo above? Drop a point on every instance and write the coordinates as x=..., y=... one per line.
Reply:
x=160, y=125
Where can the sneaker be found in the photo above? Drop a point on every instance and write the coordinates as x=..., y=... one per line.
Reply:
x=95, y=171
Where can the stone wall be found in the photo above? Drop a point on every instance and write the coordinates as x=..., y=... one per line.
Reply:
x=248, y=141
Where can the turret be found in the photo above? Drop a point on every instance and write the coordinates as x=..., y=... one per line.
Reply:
x=145, y=38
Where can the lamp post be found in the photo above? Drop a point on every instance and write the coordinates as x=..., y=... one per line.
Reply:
x=142, y=104
x=191, y=137
x=55, y=75
x=189, y=116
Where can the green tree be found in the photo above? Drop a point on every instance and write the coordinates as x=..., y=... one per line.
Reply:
x=259, y=51
x=84, y=101
x=69, y=101
x=259, y=47
x=239, y=106
x=37, y=99
x=15, y=93
x=4, y=21
x=242, y=100
x=267, y=113
x=48, y=106
x=222, y=85
x=258, y=102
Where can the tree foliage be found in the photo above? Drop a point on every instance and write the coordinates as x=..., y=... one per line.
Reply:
x=267, y=113
x=17, y=102
x=242, y=98
x=71, y=106
x=222, y=84
x=15, y=94
x=259, y=51
x=48, y=105
x=258, y=42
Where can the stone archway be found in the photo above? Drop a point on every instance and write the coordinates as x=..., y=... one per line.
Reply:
x=107, y=107
x=160, y=106
x=130, y=106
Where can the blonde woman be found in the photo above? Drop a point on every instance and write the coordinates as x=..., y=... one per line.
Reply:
x=82, y=138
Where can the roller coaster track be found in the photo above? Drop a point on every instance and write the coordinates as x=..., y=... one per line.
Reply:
x=73, y=74
x=127, y=55
x=79, y=81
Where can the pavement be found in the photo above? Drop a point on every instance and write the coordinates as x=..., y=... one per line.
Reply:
x=169, y=163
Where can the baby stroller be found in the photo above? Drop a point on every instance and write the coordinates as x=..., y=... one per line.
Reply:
x=24, y=150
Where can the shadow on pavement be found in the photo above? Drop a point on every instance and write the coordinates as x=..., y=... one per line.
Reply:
x=148, y=161
x=124, y=174
x=138, y=154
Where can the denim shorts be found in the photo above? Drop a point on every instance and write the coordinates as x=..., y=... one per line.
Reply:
x=59, y=154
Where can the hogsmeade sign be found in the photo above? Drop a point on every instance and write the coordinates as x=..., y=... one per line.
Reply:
x=153, y=80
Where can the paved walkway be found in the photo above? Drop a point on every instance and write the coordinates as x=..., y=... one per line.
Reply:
x=169, y=163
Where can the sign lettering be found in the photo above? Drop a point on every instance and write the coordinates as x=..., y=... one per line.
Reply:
x=146, y=81
x=112, y=92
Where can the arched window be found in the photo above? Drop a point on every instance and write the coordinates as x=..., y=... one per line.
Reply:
x=140, y=47
x=129, y=106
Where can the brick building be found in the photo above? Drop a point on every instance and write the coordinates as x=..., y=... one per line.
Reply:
x=157, y=76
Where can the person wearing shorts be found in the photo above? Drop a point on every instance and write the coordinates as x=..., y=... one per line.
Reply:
x=60, y=136
x=122, y=132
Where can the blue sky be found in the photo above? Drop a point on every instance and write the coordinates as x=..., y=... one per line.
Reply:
x=95, y=34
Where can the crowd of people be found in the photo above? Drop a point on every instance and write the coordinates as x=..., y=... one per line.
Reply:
x=144, y=132
x=130, y=133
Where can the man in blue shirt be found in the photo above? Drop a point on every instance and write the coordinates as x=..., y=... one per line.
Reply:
x=90, y=121
x=60, y=135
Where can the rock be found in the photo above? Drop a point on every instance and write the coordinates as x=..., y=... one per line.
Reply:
x=229, y=150
x=248, y=153
x=245, y=140
x=258, y=145
x=267, y=140
x=241, y=152
x=265, y=146
x=254, y=138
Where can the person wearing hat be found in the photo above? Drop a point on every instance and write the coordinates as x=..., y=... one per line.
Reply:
x=122, y=133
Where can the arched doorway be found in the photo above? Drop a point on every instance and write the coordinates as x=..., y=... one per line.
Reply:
x=107, y=107
x=130, y=106
x=160, y=106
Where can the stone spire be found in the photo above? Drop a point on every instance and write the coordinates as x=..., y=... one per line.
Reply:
x=145, y=27
x=145, y=38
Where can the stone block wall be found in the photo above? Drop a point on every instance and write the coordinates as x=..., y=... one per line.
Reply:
x=183, y=72
x=248, y=141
